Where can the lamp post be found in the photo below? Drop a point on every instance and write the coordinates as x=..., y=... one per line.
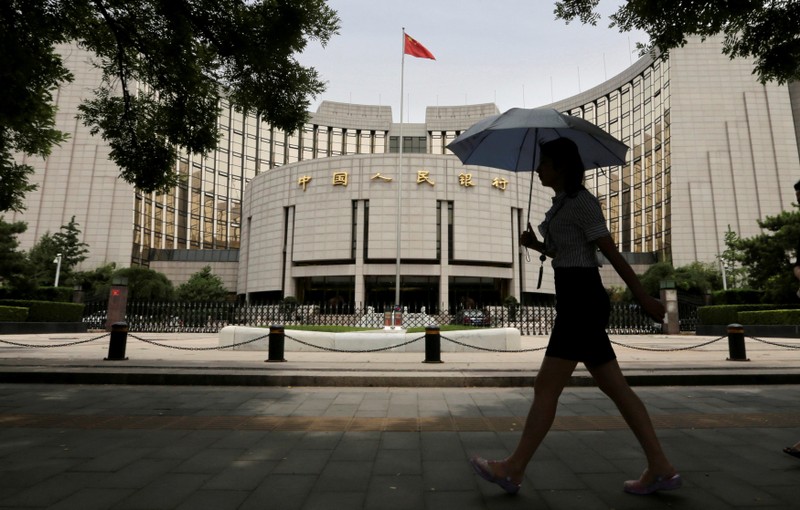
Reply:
x=57, y=261
x=726, y=266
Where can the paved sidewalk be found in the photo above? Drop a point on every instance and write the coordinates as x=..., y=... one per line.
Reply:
x=194, y=359
x=383, y=430
x=81, y=447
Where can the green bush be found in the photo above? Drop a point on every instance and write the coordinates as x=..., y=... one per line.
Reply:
x=13, y=314
x=737, y=297
x=63, y=294
x=769, y=317
x=48, y=311
x=729, y=314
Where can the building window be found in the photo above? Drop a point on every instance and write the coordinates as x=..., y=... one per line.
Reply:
x=411, y=144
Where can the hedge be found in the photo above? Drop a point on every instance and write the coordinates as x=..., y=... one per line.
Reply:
x=737, y=296
x=13, y=314
x=770, y=317
x=729, y=314
x=48, y=311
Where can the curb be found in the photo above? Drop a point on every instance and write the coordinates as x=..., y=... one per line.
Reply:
x=170, y=376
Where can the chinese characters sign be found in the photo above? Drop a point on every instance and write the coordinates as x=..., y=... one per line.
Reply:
x=465, y=180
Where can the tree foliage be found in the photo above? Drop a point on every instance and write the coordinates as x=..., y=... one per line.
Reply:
x=42, y=255
x=696, y=278
x=97, y=282
x=768, y=256
x=13, y=262
x=203, y=286
x=165, y=67
x=145, y=284
x=30, y=70
x=766, y=32
x=72, y=250
x=41, y=258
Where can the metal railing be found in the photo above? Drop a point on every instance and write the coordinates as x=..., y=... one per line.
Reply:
x=198, y=317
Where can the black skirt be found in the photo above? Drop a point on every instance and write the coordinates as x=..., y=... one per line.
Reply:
x=582, y=310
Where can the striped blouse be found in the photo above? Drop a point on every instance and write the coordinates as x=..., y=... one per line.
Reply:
x=570, y=228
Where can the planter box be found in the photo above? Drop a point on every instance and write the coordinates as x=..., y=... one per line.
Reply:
x=17, y=328
x=757, y=330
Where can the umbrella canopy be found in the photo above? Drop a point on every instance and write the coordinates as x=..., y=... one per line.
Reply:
x=511, y=140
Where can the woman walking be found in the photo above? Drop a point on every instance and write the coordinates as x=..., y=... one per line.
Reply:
x=573, y=229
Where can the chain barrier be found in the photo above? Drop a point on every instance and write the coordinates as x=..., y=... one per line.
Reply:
x=674, y=349
x=776, y=344
x=402, y=344
x=69, y=344
x=489, y=349
x=181, y=348
x=332, y=349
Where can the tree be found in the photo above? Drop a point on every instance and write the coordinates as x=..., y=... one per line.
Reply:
x=651, y=279
x=766, y=32
x=30, y=70
x=96, y=283
x=695, y=278
x=698, y=278
x=731, y=261
x=72, y=250
x=203, y=286
x=42, y=255
x=165, y=66
x=145, y=284
x=13, y=262
x=768, y=256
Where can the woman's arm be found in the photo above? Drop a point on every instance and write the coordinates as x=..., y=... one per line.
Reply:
x=653, y=307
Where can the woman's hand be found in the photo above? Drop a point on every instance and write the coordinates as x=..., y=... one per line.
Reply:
x=528, y=239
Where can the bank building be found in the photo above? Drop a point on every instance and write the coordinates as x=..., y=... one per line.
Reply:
x=316, y=213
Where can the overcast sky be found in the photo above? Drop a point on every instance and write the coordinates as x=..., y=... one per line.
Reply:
x=510, y=52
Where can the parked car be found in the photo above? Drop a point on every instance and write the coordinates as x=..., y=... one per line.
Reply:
x=472, y=317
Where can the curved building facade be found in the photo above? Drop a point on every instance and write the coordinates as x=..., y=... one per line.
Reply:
x=316, y=213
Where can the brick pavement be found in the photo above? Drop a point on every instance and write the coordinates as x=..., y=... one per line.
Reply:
x=166, y=447
x=234, y=435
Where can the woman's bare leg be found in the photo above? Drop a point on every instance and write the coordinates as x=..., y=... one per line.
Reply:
x=611, y=381
x=550, y=381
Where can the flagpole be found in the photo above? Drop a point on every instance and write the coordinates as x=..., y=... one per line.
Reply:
x=399, y=175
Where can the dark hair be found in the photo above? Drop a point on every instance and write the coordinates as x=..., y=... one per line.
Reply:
x=565, y=157
x=797, y=186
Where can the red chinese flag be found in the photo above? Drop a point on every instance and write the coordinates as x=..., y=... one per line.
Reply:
x=415, y=49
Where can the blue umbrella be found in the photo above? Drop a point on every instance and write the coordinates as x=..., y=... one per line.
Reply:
x=511, y=140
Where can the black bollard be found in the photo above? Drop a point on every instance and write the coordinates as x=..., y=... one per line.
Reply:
x=276, y=341
x=117, y=342
x=736, y=349
x=433, y=345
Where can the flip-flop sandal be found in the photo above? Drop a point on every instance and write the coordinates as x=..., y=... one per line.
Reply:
x=791, y=450
x=481, y=467
x=661, y=483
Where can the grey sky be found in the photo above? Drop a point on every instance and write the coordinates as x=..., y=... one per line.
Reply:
x=511, y=52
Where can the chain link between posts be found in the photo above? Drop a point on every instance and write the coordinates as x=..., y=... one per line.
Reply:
x=181, y=348
x=379, y=349
x=674, y=349
x=489, y=349
x=40, y=346
x=776, y=344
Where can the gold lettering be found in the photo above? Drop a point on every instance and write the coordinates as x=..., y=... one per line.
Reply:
x=340, y=179
x=424, y=176
x=500, y=183
x=303, y=181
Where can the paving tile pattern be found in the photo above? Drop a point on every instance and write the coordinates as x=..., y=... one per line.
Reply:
x=159, y=447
